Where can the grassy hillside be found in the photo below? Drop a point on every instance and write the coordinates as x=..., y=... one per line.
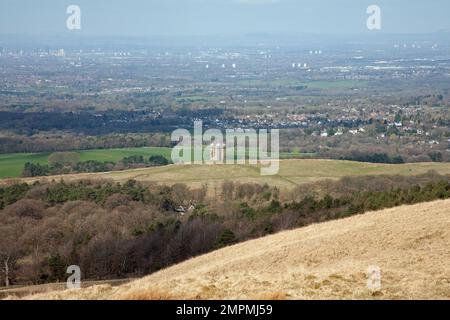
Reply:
x=291, y=174
x=410, y=245
x=11, y=165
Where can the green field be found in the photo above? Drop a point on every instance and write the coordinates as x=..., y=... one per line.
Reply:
x=11, y=165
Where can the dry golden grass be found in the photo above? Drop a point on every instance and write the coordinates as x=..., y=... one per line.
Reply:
x=411, y=245
x=149, y=295
x=49, y=288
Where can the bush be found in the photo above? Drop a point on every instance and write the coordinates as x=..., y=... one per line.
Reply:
x=27, y=208
x=374, y=158
x=274, y=207
x=226, y=238
x=13, y=193
x=35, y=170
x=158, y=161
x=247, y=211
x=57, y=268
x=135, y=159
x=117, y=200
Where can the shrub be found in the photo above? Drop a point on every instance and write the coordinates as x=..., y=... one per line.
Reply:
x=226, y=238
x=35, y=170
x=117, y=200
x=27, y=208
x=158, y=161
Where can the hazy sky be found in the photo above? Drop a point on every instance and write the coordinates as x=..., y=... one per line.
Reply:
x=226, y=17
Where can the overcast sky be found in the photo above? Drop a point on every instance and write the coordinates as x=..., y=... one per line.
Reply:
x=221, y=17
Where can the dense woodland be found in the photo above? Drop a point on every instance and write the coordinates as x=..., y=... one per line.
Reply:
x=114, y=230
x=87, y=123
x=66, y=141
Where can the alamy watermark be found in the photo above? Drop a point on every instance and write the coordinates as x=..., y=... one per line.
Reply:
x=374, y=279
x=74, y=280
x=240, y=146
x=73, y=22
x=374, y=20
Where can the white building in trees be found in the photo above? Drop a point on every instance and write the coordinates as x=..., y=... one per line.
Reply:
x=217, y=152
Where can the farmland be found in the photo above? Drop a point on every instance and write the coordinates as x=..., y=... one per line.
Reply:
x=11, y=165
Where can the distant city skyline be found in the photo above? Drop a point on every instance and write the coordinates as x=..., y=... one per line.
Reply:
x=221, y=17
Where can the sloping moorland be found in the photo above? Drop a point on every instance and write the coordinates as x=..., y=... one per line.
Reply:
x=410, y=244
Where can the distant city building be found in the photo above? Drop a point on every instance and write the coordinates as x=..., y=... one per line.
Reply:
x=60, y=53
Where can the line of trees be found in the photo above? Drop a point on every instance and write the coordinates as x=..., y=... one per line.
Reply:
x=69, y=162
x=373, y=158
x=67, y=141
